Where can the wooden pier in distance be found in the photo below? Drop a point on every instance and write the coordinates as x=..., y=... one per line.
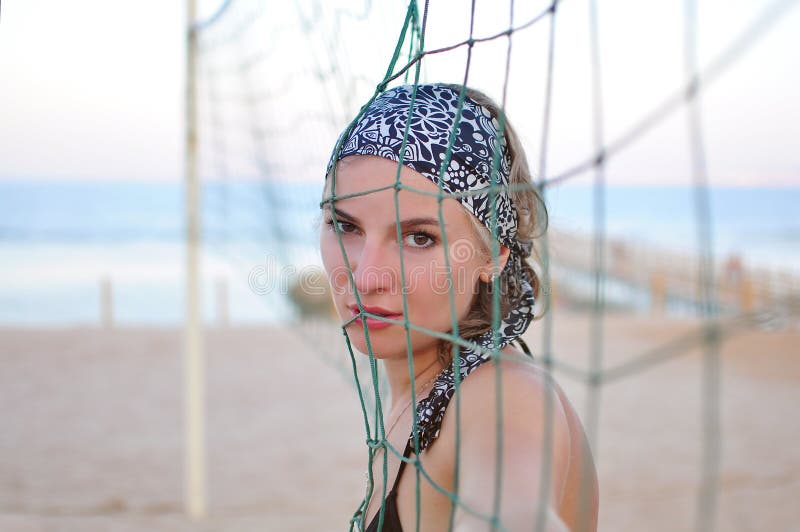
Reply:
x=667, y=275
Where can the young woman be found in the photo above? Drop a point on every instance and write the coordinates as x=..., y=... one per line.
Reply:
x=380, y=205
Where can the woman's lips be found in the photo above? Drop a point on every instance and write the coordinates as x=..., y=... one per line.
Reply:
x=372, y=323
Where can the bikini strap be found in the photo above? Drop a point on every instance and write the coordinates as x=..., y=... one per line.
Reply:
x=406, y=454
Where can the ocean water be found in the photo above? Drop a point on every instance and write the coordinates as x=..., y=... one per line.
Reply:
x=59, y=240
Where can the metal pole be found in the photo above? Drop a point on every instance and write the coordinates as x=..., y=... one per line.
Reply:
x=194, y=362
x=708, y=494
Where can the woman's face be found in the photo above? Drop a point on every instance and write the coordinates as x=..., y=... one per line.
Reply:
x=368, y=226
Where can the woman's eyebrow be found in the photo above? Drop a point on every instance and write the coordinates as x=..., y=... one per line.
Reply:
x=413, y=222
x=418, y=220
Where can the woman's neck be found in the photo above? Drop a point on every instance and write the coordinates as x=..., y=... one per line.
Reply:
x=426, y=366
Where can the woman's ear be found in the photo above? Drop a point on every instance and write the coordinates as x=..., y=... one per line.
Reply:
x=502, y=258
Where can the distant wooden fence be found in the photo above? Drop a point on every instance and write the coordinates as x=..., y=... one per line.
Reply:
x=668, y=275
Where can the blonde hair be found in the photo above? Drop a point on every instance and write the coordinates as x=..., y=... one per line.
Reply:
x=531, y=217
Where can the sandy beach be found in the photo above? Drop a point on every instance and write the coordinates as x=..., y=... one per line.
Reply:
x=92, y=433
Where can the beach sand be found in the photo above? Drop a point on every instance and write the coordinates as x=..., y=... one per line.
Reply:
x=92, y=433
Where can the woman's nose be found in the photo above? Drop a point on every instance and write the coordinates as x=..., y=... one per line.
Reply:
x=374, y=268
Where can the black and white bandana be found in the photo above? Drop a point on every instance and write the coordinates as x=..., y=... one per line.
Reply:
x=430, y=119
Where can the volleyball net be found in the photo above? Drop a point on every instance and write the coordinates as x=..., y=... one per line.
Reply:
x=277, y=85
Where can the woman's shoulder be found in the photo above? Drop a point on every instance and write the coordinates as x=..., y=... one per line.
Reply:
x=532, y=400
x=515, y=372
x=517, y=388
x=515, y=395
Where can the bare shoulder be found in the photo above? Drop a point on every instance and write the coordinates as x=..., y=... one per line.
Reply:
x=539, y=426
x=521, y=399
x=523, y=391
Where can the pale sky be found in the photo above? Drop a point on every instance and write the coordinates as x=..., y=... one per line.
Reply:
x=92, y=89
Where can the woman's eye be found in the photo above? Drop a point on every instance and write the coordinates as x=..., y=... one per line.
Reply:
x=343, y=227
x=419, y=240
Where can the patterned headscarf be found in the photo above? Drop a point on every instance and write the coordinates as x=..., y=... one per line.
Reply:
x=430, y=119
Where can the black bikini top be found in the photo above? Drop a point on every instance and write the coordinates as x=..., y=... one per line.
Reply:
x=391, y=520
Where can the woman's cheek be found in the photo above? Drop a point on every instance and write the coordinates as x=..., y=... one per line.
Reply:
x=333, y=263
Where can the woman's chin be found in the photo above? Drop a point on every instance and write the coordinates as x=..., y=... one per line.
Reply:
x=393, y=348
x=382, y=337
x=358, y=342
